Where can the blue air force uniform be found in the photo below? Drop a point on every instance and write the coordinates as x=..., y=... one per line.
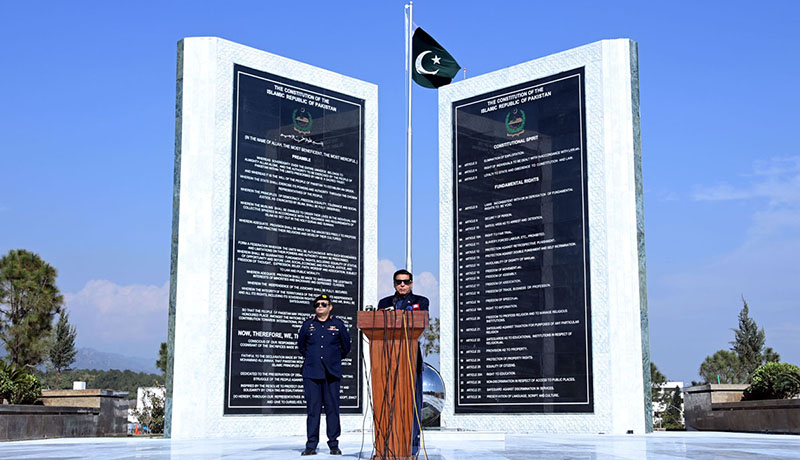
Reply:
x=411, y=301
x=323, y=344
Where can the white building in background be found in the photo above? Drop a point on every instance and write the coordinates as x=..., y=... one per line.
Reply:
x=144, y=398
x=660, y=407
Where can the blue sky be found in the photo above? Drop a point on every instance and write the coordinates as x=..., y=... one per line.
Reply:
x=87, y=103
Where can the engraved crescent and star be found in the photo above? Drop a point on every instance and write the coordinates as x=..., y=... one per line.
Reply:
x=418, y=63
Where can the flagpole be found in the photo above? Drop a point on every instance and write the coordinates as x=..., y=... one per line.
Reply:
x=409, y=30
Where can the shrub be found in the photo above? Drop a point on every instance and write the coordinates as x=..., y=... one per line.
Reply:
x=774, y=381
x=18, y=387
x=6, y=386
x=8, y=378
x=27, y=390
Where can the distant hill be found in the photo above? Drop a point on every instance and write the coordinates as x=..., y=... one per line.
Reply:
x=89, y=358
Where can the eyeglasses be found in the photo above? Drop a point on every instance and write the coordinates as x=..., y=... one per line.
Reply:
x=321, y=304
x=399, y=282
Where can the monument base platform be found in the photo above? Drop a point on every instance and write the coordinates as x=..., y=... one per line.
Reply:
x=672, y=445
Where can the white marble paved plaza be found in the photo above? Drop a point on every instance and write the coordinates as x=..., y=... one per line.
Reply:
x=440, y=446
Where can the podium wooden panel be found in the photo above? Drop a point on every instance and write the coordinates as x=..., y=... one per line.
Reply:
x=393, y=356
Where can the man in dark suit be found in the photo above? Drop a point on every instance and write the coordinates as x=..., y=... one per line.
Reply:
x=323, y=341
x=404, y=299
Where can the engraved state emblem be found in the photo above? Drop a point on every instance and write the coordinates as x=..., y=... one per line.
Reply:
x=302, y=121
x=515, y=123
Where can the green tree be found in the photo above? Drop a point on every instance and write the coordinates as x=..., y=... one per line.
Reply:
x=722, y=367
x=657, y=381
x=29, y=299
x=162, y=358
x=431, y=337
x=771, y=356
x=62, y=353
x=672, y=419
x=749, y=342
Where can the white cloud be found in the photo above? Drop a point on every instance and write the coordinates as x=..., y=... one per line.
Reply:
x=661, y=194
x=386, y=269
x=775, y=185
x=132, y=319
x=776, y=180
x=126, y=319
x=720, y=192
x=425, y=283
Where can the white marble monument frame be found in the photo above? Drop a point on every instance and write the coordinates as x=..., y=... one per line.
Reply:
x=620, y=345
x=201, y=213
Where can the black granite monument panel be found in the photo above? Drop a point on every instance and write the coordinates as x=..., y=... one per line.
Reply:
x=295, y=232
x=521, y=249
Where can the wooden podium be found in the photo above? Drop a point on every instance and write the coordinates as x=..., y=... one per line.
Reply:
x=393, y=355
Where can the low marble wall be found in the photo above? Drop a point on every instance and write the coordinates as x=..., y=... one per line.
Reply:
x=19, y=423
x=720, y=408
x=67, y=414
x=113, y=405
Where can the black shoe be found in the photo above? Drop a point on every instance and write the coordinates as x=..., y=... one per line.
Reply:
x=335, y=451
x=309, y=451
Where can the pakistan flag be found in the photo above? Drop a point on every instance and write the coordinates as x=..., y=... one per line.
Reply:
x=432, y=66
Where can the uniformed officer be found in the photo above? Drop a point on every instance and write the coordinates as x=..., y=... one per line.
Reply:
x=404, y=299
x=323, y=341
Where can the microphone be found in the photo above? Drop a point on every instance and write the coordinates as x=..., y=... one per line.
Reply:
x=369, y=308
